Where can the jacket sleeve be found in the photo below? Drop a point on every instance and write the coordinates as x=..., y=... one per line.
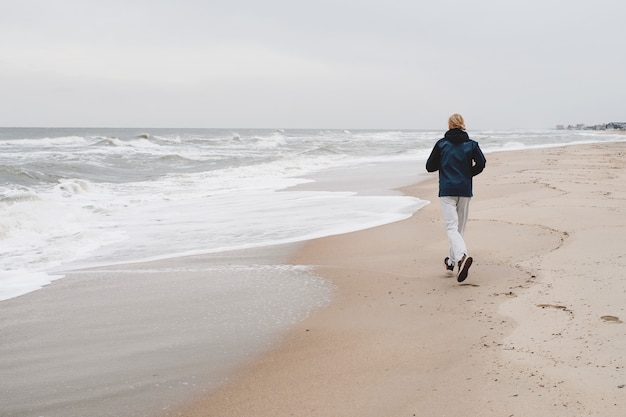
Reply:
x=479, y=161
x=434, y=160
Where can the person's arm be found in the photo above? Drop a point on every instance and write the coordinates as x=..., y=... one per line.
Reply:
x=479, y=161
x=434, y=160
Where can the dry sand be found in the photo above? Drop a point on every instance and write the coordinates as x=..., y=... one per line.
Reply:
x=536, y=329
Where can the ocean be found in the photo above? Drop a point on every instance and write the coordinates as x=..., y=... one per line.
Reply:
x=81, y=197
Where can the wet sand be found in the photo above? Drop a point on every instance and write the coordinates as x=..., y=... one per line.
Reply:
x=143, y=339
x=537, y=329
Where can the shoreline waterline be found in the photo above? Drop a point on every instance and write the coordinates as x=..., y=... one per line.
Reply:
x=76, y=198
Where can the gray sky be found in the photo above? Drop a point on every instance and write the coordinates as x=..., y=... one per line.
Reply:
x=315, y=64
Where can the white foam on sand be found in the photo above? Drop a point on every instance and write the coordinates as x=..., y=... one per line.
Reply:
x=16, y=283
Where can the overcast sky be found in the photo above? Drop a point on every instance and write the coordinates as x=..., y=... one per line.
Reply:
x=389, y=64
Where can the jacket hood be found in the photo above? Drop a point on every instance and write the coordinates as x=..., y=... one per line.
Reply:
x=456, y=136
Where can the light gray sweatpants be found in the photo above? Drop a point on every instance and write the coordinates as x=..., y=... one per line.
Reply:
x=455, y=212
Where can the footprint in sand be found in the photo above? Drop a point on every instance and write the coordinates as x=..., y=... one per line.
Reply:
x=611, y=319
x=558, y=307
x=510, y=294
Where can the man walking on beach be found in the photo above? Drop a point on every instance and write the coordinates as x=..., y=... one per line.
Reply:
x=457, y=158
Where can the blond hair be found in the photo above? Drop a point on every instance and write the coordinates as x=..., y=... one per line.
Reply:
x=456, y=122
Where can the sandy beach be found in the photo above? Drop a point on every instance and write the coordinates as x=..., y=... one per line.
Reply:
x=537, y=329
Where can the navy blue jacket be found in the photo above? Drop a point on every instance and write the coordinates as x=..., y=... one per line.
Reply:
x=457, y=158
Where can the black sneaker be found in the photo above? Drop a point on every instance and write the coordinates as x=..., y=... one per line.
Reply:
x=464, y=266
x=449, y=267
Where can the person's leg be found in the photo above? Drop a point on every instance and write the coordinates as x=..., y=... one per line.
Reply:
x=451, y=220
x=462, y=209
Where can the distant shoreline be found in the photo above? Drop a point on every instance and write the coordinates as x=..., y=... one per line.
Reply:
x=612, y=126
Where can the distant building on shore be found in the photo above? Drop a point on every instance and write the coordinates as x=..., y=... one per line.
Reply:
x=606, y=126
x=616, y=125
